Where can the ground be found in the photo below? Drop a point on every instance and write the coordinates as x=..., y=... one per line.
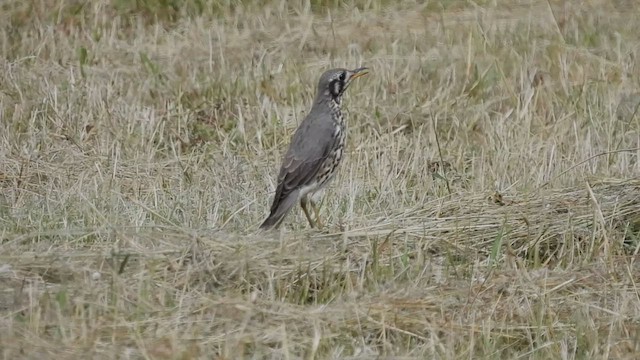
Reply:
x=488, y=207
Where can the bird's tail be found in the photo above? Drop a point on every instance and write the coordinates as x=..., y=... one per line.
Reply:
x=279, y=211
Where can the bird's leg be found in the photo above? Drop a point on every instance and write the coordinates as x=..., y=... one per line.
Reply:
x=316, y=210
x=303, y=203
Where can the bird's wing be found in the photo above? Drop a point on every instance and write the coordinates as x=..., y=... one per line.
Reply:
x=302, y=163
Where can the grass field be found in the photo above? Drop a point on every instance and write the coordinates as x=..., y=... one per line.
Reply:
x=488, y=207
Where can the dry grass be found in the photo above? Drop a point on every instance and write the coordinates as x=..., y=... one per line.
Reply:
x=489, y=206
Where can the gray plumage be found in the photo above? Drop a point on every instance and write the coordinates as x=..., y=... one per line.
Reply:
x=315, y=151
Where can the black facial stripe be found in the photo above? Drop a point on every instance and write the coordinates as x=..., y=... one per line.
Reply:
x=336, y=87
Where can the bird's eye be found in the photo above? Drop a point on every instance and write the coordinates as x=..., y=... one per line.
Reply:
x=343, y=75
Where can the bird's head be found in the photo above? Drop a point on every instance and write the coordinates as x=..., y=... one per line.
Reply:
x=334, y=82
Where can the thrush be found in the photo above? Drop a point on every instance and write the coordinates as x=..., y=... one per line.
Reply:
x=315, y=151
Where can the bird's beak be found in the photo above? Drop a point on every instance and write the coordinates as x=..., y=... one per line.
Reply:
x=359, y=72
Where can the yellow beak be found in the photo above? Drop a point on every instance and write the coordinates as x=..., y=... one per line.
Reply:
x=359, y=72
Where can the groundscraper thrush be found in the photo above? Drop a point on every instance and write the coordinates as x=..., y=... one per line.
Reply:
x=315, y=151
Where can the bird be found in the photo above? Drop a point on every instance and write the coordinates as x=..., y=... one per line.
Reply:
x=315, y=151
